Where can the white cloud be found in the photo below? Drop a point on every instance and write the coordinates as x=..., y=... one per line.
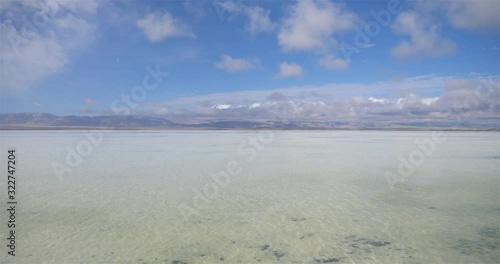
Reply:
x=463, y=14
x=194, y=8
x=458, y=98
x=28, y=61
x=89, y=6
x=425, y=84
x=236, y=65
x=473, y=15
x=221, y=106
x=413, y=101
x=33, y=51
x=333, y=63
x=254, y=105
x=311, y=25
x=425, y=38
x=85, y=32
x=289, y=70
x=89, y=101
x=429, y=101
x=452, y=97
x=162, y=111
x=258, y=17
x=424, y=32
x=231, y=7
x=158, y=26
x=52, y=6
x=458, y=102
x=259, y=20
x=378, y=100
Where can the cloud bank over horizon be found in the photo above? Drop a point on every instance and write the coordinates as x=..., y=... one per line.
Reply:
x=422, y=97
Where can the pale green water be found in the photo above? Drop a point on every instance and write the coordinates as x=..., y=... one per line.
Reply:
x=305, y=197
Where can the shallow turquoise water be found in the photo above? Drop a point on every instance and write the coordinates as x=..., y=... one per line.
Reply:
x=254, y=197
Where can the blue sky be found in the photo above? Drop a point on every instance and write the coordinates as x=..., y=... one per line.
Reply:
x=230, y=59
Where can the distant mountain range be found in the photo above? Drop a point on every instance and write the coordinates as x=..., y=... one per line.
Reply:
x=49, y=121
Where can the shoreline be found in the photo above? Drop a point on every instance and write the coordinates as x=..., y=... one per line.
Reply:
x=73, y=128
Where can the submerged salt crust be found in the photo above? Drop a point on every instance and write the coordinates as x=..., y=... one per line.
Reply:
x=298, y=197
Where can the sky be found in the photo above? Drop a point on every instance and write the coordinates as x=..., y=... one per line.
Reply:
x=307, y=60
